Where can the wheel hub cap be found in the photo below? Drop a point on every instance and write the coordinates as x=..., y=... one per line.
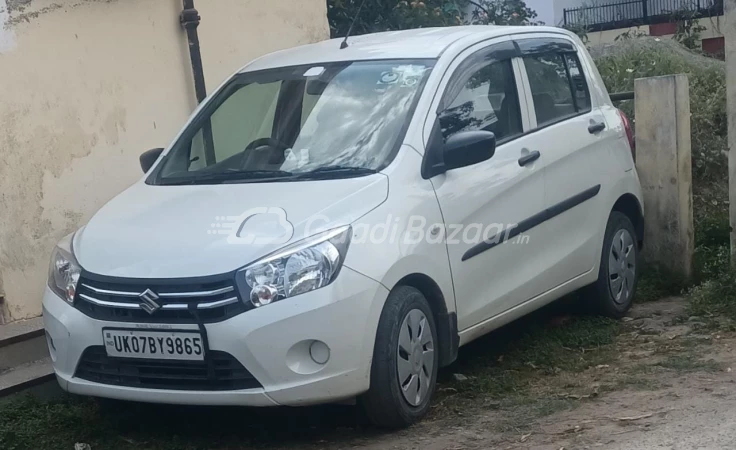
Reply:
x=622, y=266
x=415, y=360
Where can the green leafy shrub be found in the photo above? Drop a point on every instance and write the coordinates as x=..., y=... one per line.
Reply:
x=624, y=61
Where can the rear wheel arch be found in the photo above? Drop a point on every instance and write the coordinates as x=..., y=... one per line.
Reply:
x=629, y=205
x=446, y=323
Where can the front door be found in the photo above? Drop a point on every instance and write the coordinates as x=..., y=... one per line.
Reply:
x=489, y=208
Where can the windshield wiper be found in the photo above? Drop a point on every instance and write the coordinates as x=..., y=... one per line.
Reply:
x=229, y=175
x=233, y=175
x=258, y=173
x=335, y=172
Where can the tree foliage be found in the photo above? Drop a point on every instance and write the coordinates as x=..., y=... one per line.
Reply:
x=502, y=12
x=387, y=15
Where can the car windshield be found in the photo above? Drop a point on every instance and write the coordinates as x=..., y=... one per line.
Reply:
x=331, y=120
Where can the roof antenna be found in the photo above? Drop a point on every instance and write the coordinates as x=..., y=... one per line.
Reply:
x=344, y=43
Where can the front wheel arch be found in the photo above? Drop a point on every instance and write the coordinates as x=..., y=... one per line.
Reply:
x=446, y=322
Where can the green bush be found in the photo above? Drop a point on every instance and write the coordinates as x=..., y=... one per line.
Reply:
x=624, y=61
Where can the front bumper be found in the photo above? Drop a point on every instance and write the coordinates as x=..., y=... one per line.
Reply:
x=270, y=342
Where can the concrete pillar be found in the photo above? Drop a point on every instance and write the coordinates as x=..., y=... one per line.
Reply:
x=664, y=164
x=729, y=30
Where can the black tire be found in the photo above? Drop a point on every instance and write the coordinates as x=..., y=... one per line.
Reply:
x=599, y=296
x=384, y=403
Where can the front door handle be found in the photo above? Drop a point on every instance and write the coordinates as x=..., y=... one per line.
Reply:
x=596, y=128
x=529, y=158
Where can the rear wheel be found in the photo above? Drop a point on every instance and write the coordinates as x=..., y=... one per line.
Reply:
x=405, y=361
x=613, y=293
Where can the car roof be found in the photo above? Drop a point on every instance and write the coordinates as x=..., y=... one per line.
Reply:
x=420, y=43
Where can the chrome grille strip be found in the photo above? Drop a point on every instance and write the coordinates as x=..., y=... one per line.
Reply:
x=162, y=294
x=217, y=304
x=195, y=294
x=97, y=302
x=109, y=292
x=168, y=306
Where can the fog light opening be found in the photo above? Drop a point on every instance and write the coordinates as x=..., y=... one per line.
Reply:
x=320, y=352
x=52, y=347
x=50, y=342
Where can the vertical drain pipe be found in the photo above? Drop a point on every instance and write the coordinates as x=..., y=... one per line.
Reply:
x=190, y=21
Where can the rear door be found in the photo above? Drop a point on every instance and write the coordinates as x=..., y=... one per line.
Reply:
x=569, y=131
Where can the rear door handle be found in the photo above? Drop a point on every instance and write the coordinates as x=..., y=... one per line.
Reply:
x=596, y=128
x=529, y=158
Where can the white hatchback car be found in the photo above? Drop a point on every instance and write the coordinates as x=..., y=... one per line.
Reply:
x=334, y=224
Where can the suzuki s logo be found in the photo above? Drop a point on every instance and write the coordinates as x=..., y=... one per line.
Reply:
x=148, y=301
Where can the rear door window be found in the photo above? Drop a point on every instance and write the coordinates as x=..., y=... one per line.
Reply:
x=558, y=86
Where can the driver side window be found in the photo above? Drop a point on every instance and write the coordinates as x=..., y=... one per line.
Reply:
x=486, y=99
x=246, y=115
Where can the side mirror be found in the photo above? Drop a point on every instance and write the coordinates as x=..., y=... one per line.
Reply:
x=468, y=148
x=148, y=158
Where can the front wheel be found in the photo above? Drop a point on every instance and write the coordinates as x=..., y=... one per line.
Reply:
x=613, y=293
x=405, y=361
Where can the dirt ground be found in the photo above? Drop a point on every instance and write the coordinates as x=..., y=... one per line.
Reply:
x=670, y=387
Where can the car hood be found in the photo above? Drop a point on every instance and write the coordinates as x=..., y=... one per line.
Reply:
x=189, y=231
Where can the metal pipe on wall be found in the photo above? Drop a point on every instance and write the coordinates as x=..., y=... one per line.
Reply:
x=190, y=21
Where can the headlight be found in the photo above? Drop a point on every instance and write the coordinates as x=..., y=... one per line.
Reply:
x=301, y=267
x=64, y=271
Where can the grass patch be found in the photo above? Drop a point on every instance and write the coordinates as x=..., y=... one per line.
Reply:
x=28, y=423
x=713, y=301
x=505, y=364
x=656, y=284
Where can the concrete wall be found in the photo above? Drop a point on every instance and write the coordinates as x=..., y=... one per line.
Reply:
x=608, y=36
x=713, y=28
x=85, y=87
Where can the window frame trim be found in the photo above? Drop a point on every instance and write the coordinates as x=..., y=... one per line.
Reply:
x=585, y=78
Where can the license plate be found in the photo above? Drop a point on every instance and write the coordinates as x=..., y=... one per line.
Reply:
x=180, y=345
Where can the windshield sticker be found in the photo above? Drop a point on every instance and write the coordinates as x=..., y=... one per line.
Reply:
x=389, y=78
x=404, y=76
x=410, y=81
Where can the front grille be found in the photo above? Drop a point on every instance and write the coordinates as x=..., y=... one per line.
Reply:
x=121, y=300
x=229, y=374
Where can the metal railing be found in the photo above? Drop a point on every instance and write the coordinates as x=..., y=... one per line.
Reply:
x=627, y=13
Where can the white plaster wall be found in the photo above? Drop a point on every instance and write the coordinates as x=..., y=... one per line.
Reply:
x=85, y=87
